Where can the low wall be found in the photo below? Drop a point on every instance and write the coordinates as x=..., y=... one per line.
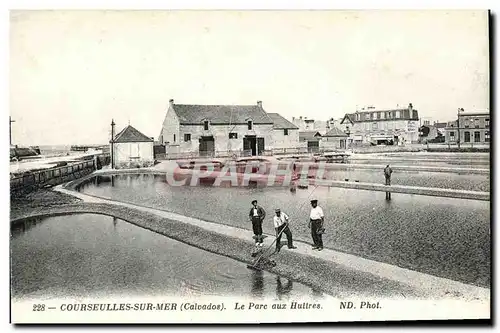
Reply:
x=31, y=181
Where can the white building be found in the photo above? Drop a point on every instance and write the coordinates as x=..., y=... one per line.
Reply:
x=132, y=149
x=286, y=134
x=394, y=126
x=222, y=130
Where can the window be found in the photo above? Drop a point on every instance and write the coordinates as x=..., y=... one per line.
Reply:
x=452, y=136
x=375, y=115
x=466, y=123
x=374, y=126
x=233, y=135
x=398, y=114
x=358, y=116
x=477, y=136
x=187, y=137
x=205, y=125
x=487, y=136
x=476, y=123
x=174, y=138
x=367, y=116
x=452, y=133
x=389, y=115
x=487, y=123
x=467, y=136
x=249, y=125
x=285, y=131
x=382, y=115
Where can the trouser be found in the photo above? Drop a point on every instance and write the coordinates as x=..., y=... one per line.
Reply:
x=317, y=238
x=257, y=229
x=387, y=180
x=288, y=234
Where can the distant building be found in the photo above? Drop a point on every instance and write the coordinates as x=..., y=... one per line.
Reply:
x=311, y=139
x=429, y=133
x=208, y=130
x=334, y=139
x=307, y=124
x=474, y=127
x=394, y=126
x=285, y=134
x=440, y=127
x=132, y=149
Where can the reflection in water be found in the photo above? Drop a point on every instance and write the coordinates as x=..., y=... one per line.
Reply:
x=23, y=226
x=283, y=290
x=257, y=284
x=85, y=255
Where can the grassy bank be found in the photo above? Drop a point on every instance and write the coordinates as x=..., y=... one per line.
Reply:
x=38, y=200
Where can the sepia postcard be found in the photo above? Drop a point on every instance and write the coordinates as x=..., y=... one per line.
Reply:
x=249, y=166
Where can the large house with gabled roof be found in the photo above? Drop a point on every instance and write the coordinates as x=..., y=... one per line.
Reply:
x=132, y=148
x=209, y=130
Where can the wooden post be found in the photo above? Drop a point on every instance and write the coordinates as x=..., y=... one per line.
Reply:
x=10, y=130
x=112, y=141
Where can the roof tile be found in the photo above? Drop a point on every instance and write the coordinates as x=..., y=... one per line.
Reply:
x=130, y=134
x=221, y=114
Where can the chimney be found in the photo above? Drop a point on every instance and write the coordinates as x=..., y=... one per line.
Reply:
x=293, y=118
x=171, y=102
x=410, y=106
x=300, y=117
x=259, y=104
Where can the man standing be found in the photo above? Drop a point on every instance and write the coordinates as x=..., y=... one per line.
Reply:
x=281, y=226
x=387, y=174
x=316, y=224
x=257, y=215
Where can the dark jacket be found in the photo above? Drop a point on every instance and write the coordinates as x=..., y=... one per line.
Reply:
x=387, y=172
x=260, y=211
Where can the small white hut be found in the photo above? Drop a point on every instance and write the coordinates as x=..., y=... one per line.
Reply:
x=132, y=149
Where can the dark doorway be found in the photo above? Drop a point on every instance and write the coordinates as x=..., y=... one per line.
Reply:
x=313, y=146
x=207, y=146
x=250, y=145
x=260, y=146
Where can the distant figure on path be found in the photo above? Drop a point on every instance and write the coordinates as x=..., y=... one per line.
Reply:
x=316, y=224
x=387, y=174
x=257, y=215
x=281, y=226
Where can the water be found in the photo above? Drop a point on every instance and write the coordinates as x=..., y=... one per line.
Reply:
x=467, y=182
x=440, y=236
x=91, y=255
x=55, y=150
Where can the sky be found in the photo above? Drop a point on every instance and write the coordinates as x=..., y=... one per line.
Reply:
x=71, y=72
